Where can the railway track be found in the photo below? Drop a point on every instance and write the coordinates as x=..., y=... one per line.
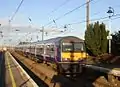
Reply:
x=50, y=78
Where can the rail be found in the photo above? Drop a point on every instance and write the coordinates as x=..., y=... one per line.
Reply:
x=105, y=70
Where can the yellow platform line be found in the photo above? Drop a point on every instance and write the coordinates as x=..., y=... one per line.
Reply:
x=11, y=74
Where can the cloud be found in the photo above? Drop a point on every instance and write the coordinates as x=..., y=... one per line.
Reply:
x=4, y=21
x=19, y=19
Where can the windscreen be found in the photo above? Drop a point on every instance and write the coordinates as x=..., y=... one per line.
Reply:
x=68, y=47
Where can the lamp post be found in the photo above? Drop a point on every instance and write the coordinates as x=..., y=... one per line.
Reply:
x=109, y=37
x=42, y=33
x=30, y=45
x=9, y=25
x=36, y=47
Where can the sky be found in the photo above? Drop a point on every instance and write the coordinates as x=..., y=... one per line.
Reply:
x=42, y=12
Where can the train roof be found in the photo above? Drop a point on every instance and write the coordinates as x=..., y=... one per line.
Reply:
x=49, y=41
x=52, y=40
x=55, y=40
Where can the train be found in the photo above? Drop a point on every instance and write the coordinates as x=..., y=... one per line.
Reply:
x=67, y=52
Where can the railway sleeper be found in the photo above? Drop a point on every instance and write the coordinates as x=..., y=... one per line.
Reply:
x=73, y=71
x=113, y=80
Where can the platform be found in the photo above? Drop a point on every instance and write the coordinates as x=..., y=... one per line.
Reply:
x=14, y=75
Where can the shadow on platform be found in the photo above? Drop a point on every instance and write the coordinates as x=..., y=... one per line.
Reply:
x=2, y=70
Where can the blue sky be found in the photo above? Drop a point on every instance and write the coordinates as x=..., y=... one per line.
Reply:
x=40, y=12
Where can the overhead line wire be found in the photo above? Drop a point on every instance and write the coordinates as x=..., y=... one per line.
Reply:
x=16, y=10
x=96, y=19
x=65, y=2
x=54, y=9
x=12, y=17
x=68, y=12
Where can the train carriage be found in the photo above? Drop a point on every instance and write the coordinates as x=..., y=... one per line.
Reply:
x=66, y=49
x=62, y=51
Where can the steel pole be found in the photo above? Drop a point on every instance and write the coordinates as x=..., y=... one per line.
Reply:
x=111, y=13
x=110, y=35
x=87, y=14
x=42, y=33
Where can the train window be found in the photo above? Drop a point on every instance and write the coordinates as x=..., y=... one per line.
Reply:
x=41, y=46
x=52, y=48
x=40, y=49
x=67, y=47
x=48, y=46
x=78, y=47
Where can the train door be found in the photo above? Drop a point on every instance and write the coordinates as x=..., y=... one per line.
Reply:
x=50, y=52
x=44, y=52
x=56, y=53
x=67, y=51
x=35, y=50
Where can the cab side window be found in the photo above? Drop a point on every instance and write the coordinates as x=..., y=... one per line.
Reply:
x=50, y=50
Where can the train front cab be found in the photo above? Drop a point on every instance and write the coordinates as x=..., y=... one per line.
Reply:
x=72, y=56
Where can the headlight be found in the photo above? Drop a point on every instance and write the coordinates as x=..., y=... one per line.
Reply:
x=65, y=58
x=4, y=48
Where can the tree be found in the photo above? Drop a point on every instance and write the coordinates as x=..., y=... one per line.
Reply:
x=96, y=39
x=116, y=43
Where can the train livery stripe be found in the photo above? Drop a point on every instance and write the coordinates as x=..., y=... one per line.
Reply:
x=74, y=55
